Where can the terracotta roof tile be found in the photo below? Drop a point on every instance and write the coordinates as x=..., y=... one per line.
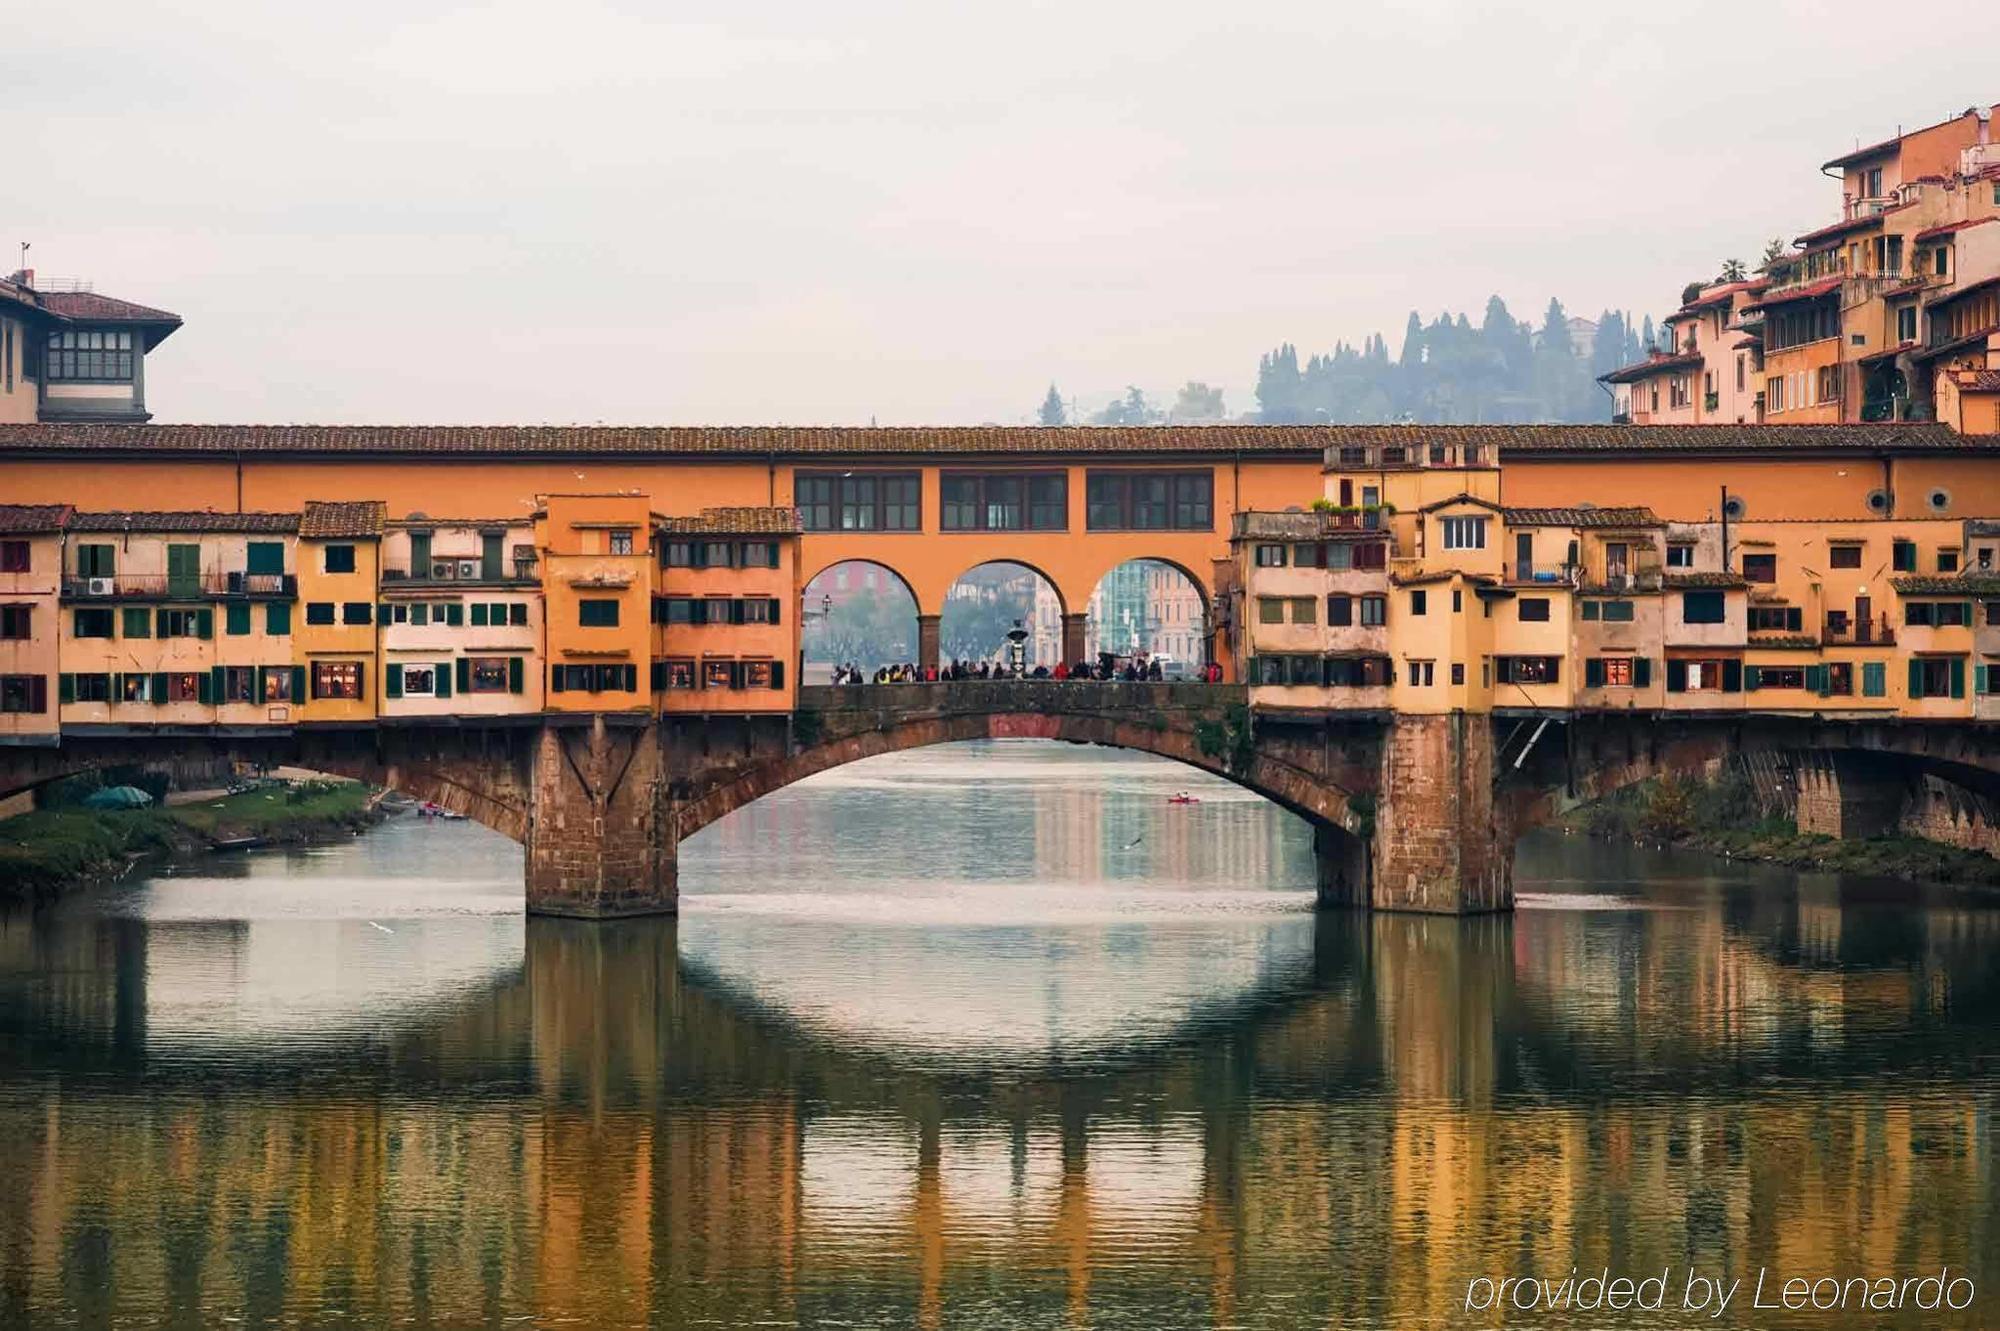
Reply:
x=33, y=519
x=1934, y=232
x=1583, y=517
x=736, y=522
x=1967, y=584
x=1790, y=294
x=157, y=521
x=797, y=443
x=90, y=307
x=1979, y=381
x=1646, y=369
x=345, y=517
x=1703, y=578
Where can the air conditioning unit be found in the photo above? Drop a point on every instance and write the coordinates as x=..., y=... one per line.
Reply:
x=443, y=568
x=468, y=568
x=101, y=587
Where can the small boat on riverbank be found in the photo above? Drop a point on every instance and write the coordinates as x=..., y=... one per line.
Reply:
x=1182, y=797
x=430, y=810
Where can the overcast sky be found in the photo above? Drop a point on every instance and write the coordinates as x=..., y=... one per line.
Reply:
x=840, y=210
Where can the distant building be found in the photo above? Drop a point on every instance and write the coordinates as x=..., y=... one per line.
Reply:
x=69, y=354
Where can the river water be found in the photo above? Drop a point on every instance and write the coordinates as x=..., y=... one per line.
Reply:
x=979, y=1036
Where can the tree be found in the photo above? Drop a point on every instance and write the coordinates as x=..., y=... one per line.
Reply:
x=1774, y=250
x=1052, y=412
x=1131, y=409
x=1734, y=270
x=1279, y=386
x=1197, y=403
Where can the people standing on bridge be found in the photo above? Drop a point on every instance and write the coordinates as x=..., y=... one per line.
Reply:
x=1062, y=670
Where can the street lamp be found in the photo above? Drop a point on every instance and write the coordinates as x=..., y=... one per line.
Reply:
x=1017, y=649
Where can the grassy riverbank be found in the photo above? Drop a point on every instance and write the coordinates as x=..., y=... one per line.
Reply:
x=51, y=850
x=1722, y=819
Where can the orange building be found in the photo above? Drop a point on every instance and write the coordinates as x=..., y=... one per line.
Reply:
x=725, y=613
x=597, y=600
x=334, y=643
x=30, y=584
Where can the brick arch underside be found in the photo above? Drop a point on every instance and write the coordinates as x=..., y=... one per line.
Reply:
x=1963, y=755
x=1285, y=784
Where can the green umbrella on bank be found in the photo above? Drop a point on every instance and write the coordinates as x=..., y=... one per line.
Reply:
x=117, y=797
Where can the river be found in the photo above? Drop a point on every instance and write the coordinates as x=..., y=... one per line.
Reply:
x=989, y=1036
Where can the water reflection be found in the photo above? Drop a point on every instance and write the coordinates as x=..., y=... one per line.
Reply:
x=1331, y=1120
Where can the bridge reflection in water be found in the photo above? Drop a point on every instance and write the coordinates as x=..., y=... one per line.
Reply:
x=629, y=1126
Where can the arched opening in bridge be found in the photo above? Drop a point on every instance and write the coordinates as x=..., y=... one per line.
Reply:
x=857, y=613
x=1153, y=607
x=988, y=604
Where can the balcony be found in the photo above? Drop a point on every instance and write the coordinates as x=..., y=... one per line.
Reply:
x=1548, y=575
x=1844, y=632
x=180, y=587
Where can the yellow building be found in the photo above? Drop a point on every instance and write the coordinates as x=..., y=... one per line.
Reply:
x=30, y=585
x=459, y=621
x=596, y=600
x=334, y=645
x=724, y=617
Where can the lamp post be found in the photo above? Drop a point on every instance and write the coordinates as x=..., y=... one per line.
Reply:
x=1017, y=648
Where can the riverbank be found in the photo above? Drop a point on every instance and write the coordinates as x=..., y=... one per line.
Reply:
x=1722, y=819
x=51, y=851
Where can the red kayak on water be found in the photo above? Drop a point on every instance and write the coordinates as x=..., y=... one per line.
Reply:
x=1182, y=798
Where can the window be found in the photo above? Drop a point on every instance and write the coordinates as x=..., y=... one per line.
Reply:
x=1305, y=610
x=183, y=624
x=860, y=501
x=1465, y=533
x=1270, y=610
x=1680, y=555
x=319, y=612
x=135, y=621
x=621, y=542
x=15, y=621
x=93, y=623
x=133, y=688
x=1938, y=614
x=339, y=559
x=1374, y=611
x=1937, y=677
x=760, y=675
x=239, y=684
x=1527, y=669
x=98, y=355
x=1422, y=673
x=1339, y=611
x=1774, y=393
x=1457, y=672
x=1828, y=384
x=89, y=688
x=280, y=683
x=277, y=618
x=1148, y=501
x=1419, y=601
x=718, y=674
x=96, y=561
x=1534, y=609
x=1004, y=502
x=679, y=674
x=1270, y=556
x=1373, y=554
x=1701, y=608
x=14, y=556
x=1843, y=556
x=1906, y=317
x=758, y=554
x=1903, y=556
x=419, y=681
x=1760, y=568
x=1947, y=561
x=24, y=693
x=492, y=674
x=597, y=614
x=337, y=679
x=354, y=612
x=236, y=619
x=1836, y=679
x=1777, y=619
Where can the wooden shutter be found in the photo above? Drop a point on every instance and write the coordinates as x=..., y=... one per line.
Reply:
x=454, y=615
x=159, y=687
x=461, y=670
x=479, y=614
x=38, y=693
x=555, y=679
x=1916, y=678
x=1958, y=677
x=218, y=685
x=516, y=676
x=1677, y=676
x=1732, y=677
x=774, y=610
x=1593, y=673
x=392, y=680
x=517, y=614
x=1642, y=672
x=204, y=623
x=1752, y=679
x=631, y=673
x=298, y=684
x=65, y=688
x=777, y=674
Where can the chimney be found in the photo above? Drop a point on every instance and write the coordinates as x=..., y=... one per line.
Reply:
x=23, y=277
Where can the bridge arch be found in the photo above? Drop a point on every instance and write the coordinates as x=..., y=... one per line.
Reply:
x=968, y=630
x=860, y=611
x=1180, y=625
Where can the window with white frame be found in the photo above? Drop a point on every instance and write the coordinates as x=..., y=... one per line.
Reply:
x=1465, y=533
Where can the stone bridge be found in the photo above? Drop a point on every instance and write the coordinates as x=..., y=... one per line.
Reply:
x=1409, y=812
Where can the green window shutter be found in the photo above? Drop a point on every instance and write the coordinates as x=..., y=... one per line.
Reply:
x=1979, y=679
x=236, y=619
x=1732, y=677
x=479, y=614
x=777, y=674
x=160, y=623
x=361, y=683
x=298, y=684
x=1642, y=671
x=1874, y=679
x=218, y=690
x=462, y=672
x=1593, y=673
x=264, y=557
x=392, y=681
x=441, y=679
x=278, y=618
x=1967, y=612
x=420, y=554
x=517, y=613
x=138, y=622
x=516, y=676
x=555, y=679
x=1916, y=678
x=420, y=615
x=454, y=615
x=1751, y=679
x=1794, y=619
x=774, y=610
x=1677, y=677
x=260, y=681
x=204, y=690
x=66, y=688
x=632, y=678
x=159, y=688
x=204, y=623
x=1958, y=677
x=1590, y=610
